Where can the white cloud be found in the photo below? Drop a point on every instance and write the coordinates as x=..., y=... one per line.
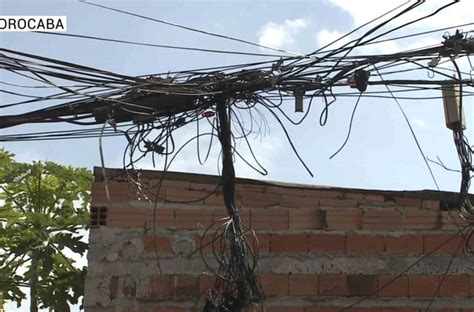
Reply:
x=459, y=13
x=363, y=11
x=326, y=36
x=418, y=122
x=281, y=35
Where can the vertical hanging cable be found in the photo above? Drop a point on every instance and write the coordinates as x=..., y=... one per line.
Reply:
x=237, y=286
x=228, y=172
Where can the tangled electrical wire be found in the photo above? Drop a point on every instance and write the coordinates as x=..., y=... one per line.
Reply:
x=227, y=105
x=237, y=286
x=465, y=158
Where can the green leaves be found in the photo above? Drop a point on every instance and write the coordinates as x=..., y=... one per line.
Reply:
x=43, y=208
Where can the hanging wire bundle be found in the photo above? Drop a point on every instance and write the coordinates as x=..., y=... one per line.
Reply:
x=233, y=102
x=237, y=286
x=235, y=250
x=466, y=208
x=465, y=158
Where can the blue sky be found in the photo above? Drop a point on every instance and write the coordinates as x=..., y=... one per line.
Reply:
x=381, y=153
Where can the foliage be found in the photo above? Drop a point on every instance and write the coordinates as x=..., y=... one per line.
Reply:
x=43, y=208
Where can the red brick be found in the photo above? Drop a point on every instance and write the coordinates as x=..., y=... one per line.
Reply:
x=324, y=193
x=114, y=216
x=214, y=200
x=205, y=244
x=344, y=219
x=471, y=286
x=451, y=220
x=337, y=203
x=408, y=202
x=126, y=223
x=114, y=286
x=207, y=187
x=364, y=244
x=181, y=195
x=327, y=243
x=414, y=219
x=404, y=244
x=206, y=282
x=168, y=309
x=168, y=183
x=306, y=219
x=293, y=191
x=186, y=286
x=275, y=285
x=322, y=309
x=127, y=212
x=245, y=218
x=393, y=286
x=161, y=286
x=218, y=200
x=261, y=200
x=382, y=220
x=422, y=285
x=454, y=286
x=114, y=198
x=286, y=243
x=364, y=309
x=284, y=309
x=147, y=195
x=260, y=242
x=99, y=186
x=303, y=285
x=362, y=285
x=118, y=191
x=299, y=201
x=333, y=285
x=443, y=243
x=374, y=198
x=400, y=309
x=162, y=243
x=220, y=216
x=356, y=196
x=132, y=218
x=144, y=194
x=163, y=218
x=193, y=218
x=430, y=204
x=269, y=219
x=254, y=188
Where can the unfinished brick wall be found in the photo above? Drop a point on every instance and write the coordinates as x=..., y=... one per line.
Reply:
x=321, y=249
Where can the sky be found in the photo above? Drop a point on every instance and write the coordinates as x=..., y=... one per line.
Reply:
x=381, y=152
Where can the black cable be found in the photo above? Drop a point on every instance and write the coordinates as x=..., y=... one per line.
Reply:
x=158, y=45
x=411, y=130
x=350, y=128
x=185, y=27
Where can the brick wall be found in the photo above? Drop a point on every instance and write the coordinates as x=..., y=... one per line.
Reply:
x=321, y=249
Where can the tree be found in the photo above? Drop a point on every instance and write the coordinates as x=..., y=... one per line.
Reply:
x=43, y=210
